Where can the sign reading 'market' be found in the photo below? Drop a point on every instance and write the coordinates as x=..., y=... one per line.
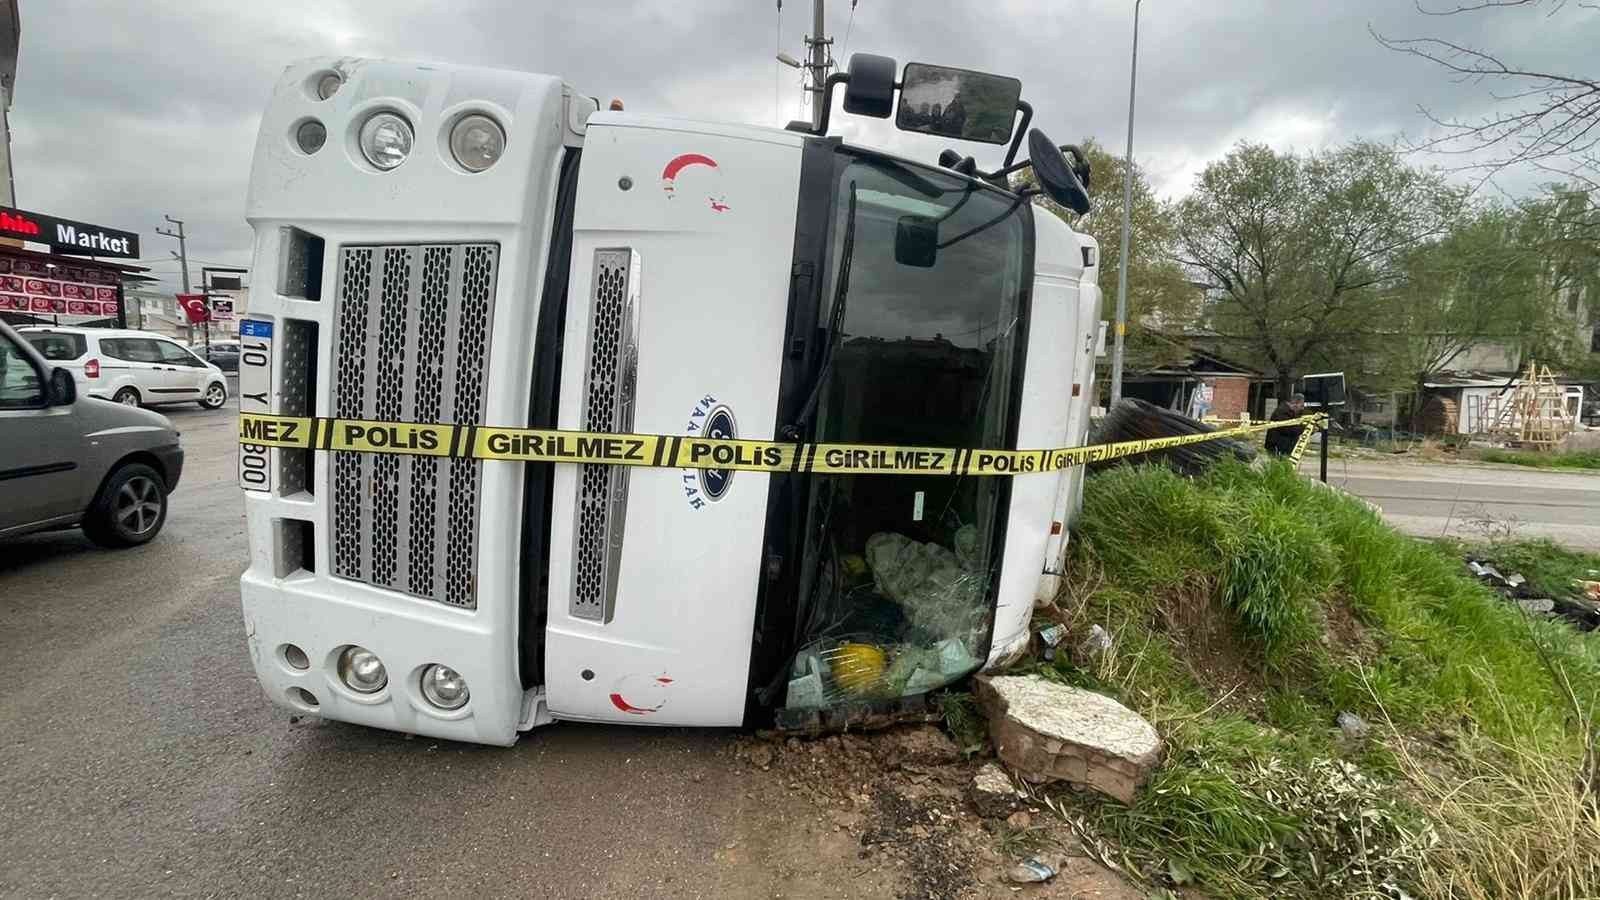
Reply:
x=67, y=236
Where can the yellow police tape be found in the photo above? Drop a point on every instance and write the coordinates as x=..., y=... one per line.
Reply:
x=687, y=452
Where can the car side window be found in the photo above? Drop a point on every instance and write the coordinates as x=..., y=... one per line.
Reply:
x=126, y=349
x=55, y=347
x=172, y=353
x=21, y=385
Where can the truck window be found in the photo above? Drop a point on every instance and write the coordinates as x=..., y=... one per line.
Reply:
x=898, y=573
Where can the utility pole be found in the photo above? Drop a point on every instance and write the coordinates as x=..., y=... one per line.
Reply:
x=1127, y=223
x=819, y=64
x=183, y=260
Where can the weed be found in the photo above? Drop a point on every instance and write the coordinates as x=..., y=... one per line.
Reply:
x=963, y=719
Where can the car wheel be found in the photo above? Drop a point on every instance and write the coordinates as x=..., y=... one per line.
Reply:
x=216, y=395
x=127, y=397
x=130, y=509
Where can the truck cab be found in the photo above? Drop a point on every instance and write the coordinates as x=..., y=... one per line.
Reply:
x=482, y=248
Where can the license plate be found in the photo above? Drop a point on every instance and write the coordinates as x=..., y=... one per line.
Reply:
x=255, y=396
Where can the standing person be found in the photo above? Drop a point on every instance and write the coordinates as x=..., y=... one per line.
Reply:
x=1281, y=441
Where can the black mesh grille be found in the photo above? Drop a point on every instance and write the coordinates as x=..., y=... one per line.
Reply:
x=417, y=351
x=602, y=488
x=472, y=350
x=355, y=289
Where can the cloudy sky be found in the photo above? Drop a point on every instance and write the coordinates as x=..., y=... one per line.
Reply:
x=125, y=111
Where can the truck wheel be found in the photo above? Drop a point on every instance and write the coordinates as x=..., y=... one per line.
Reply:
x=130, y=508
x=216, y=395
x=127, y=397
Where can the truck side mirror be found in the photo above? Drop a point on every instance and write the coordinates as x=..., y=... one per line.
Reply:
x=63, y=389
x=870, y=90
x=916, y=241
x=1058, y=179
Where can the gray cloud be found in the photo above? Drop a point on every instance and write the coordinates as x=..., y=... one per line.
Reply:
x=127, y=111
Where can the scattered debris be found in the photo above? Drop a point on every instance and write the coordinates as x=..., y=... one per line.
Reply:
x=992, y=793
x=1053, y=732
x=1097, y=644
x=1050, y=637
x=1030, y=871
x=1540, y=606
x=1019, y=821
x=1581, y=610
x=1353, y=726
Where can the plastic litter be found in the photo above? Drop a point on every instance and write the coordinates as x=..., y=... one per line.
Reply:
x=1353, y=726
x=1031, y=871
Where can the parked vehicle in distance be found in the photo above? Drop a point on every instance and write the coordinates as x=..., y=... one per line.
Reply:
x=222, y=354
x=71, y=460
x=134, y=368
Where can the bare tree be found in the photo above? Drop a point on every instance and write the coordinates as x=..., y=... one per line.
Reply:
x=1544, y=119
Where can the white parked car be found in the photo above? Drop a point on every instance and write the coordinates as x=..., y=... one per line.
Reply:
x=137, y=368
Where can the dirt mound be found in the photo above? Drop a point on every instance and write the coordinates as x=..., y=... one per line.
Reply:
x=901, y=799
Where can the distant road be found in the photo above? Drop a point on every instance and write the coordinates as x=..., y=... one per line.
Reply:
x=1435, y=499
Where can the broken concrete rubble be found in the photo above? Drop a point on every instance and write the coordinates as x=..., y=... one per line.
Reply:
x=1052, y=732
x=992, y=793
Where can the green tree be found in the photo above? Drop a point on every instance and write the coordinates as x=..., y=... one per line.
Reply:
x=1297, y=250
x=1560, y=230
x=1161, y=298
x=1478, y=284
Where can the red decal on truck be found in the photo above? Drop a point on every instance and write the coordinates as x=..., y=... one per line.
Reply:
x=625, y=706
x=669, y=177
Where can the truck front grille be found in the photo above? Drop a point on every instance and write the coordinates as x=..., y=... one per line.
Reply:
x=609, y=382
x=412, y=344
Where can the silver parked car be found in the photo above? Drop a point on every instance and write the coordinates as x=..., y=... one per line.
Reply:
x=68, y=459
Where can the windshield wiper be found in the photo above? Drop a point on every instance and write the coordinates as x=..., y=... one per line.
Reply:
x=841, y=293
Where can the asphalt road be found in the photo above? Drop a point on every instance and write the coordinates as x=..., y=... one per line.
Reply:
x=138, y=756
x=1460, y=500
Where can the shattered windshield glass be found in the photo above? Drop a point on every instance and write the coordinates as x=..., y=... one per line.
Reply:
x=898, y=578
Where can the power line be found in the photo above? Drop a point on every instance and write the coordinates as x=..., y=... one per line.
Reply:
x=844, y=51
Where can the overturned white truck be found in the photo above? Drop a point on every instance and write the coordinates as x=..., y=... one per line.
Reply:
x=457, y=246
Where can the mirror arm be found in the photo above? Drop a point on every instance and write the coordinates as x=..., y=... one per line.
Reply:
x=1016, y=139
x=833, y=81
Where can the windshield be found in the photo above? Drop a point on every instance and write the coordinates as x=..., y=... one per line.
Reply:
x=899, y=571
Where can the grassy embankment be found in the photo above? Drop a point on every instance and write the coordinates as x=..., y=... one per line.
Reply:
x=1249, y=609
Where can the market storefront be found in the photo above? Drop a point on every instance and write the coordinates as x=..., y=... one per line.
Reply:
x=63, y=287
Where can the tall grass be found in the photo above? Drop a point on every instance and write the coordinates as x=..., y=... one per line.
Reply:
x=1329, y=610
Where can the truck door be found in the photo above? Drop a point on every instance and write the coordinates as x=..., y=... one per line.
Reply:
x=677, y=306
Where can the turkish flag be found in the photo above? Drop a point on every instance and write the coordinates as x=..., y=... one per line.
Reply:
x=194, y=308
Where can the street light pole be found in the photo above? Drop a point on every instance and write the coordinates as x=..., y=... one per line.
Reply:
x=1127, y=223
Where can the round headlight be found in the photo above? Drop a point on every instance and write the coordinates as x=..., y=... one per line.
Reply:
x=311, y=135
x=477, y=142
x=444, y=687
x=362, y=671
x=328, y=85
x=386, y=140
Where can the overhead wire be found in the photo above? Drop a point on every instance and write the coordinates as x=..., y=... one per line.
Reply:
x=844, y=50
